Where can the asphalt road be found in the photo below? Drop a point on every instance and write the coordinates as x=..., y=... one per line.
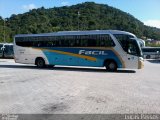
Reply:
x=27, y=89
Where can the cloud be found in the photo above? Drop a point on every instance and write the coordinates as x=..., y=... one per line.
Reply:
x=65, y=3
x=29, y=7
x=153, y=23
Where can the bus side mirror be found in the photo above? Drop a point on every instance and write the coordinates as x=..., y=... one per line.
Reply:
x=129, y=50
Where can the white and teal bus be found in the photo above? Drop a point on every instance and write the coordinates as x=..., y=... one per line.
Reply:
x=96, y=48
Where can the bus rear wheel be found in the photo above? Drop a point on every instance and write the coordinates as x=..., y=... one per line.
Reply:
x=40, y=62
x=111, y=66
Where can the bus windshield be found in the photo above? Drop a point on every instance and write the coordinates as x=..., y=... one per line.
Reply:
x=129, y=44
x=8, y=49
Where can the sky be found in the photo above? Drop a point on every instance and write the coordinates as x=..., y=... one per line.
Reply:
x=147, y=11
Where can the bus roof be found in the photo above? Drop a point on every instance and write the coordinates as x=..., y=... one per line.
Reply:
x=62, y=33
x=6, y=43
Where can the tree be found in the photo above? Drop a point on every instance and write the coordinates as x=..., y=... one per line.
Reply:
x=92, y=16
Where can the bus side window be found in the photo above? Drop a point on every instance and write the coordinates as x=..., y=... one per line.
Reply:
x=50, y=44
x=77, y=43
x=132, y=48
x=109, y=42
x=72, y=43
x=66, y=43
x=102, y=42
x=97, y=41
x=84, y=43
x=106, y=41
x=92, y=40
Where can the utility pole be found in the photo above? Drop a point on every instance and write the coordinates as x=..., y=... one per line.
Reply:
x=4, y=32
x=78, y=19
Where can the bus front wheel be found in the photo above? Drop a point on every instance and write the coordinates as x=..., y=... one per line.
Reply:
x=111, y=66
x=40, y=62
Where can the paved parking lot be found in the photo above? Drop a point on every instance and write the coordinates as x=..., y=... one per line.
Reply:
x=27, y=89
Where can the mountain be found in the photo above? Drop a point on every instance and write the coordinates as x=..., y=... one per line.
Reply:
x=91, y=16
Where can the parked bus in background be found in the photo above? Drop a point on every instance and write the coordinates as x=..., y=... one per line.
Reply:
x=8, y=50
x=141, y=42
x=1, y=50
x=151, y=52
x=97, y=48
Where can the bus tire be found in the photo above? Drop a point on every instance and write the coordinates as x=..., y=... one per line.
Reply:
x=110, y=65
x=40, y=62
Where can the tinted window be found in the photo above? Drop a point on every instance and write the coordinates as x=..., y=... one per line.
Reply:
x=129, y=44
x=8, y=49
x=66, y=41
x=123, y=40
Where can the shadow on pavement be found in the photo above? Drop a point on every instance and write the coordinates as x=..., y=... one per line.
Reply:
x=66, y=69
x=154, y=61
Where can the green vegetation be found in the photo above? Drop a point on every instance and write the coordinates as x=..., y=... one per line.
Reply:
x=92, y=16
x=152, y=45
